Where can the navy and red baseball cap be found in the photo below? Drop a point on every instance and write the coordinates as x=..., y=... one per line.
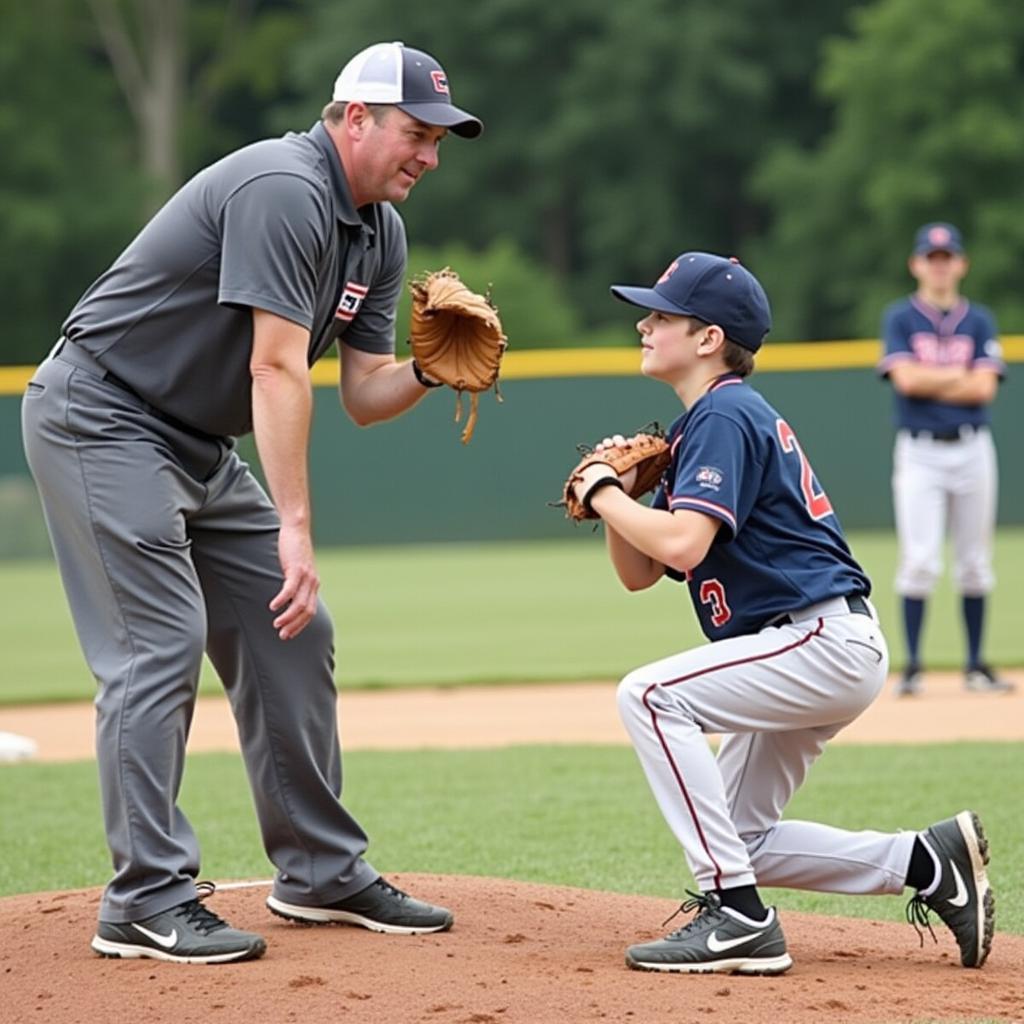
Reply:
x=715, y=289
x=938, y=237
x=396, y=74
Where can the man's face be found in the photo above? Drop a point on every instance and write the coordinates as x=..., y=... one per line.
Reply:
x=390, y=157
x=939, y=270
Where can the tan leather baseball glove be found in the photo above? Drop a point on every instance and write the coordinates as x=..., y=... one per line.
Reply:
x=456, y=338
x=647, y=452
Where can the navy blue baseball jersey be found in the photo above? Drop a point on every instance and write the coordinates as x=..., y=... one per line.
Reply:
x=780, y=546
x=914, y=331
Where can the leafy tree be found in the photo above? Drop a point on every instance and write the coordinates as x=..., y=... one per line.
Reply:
x=174, y=59
x=927, y=99
x=535, y=311
x=68, y=190
x=88, y=153
x=615, y=133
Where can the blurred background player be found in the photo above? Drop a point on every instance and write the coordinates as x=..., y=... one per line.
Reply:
x=944, y=361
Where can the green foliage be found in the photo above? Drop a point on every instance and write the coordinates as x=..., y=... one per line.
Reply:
x=580, y=816
x=927, y=100
x=616, y=134
x=420, y=605
x=535, y=311
x=808, y=138
x=68, y=192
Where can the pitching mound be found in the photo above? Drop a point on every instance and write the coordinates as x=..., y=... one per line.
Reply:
x=519, y=953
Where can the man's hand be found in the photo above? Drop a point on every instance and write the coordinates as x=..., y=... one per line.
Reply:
x=298, y=596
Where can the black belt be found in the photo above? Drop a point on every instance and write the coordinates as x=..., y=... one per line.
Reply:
x=855, y=602
x=70, y=352
x=962, y=432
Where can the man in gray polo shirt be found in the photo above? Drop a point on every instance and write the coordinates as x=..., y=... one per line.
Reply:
x=204, y=329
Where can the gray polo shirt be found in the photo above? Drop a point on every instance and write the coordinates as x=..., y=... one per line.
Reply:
x=271, y=226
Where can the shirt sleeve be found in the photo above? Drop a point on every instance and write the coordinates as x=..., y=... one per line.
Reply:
x=988, y=352
x=373, y=328
x=716, y=472
x=272, y=241
x=895, y=339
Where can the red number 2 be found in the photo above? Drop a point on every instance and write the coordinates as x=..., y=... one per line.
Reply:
x=818, y=505
x=713, y=593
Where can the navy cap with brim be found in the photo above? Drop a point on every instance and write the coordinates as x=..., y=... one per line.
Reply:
x=712, y=289
x=444, y=115
x=648, y=298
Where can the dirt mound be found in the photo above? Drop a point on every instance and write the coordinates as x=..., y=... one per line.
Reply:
x=521, y=953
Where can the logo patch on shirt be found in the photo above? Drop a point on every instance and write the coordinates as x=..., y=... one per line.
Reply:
x=993, y=349
x=709, y=477
x=351, y=299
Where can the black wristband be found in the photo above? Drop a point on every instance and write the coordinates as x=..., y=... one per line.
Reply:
x=605, y=481
x=418, y=373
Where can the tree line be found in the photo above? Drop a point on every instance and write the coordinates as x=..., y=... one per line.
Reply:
x=807, y=137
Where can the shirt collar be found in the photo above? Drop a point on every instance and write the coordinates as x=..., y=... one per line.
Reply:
x=347, y=213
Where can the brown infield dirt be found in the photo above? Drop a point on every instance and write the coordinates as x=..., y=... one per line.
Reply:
x=519, y=952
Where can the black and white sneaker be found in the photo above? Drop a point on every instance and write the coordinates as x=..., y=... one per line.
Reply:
x=380, y=907
x=717, y=940
x=962, y=896
x=910, y=682
x=189, y=933
x=983, y=679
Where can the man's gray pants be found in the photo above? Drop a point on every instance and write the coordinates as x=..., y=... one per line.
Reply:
x=167, y=546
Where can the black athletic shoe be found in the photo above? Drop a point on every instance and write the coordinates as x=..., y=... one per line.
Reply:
x=189, y=933
x=983, y=680
x=380, y=907
x=910, y=682
x=717, y=940
x=963, y=897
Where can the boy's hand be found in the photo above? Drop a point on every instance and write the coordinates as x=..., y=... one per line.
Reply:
x=589, y=476
x=636, y=464
x=628, y=478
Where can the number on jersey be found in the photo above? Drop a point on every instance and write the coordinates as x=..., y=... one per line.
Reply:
x=713, y=593
x=818, y=505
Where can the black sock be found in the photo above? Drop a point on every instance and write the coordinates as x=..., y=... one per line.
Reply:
x=745, y=899
x=921, y=872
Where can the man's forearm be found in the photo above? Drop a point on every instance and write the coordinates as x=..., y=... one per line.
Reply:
x=381, y=393
x=282, y=403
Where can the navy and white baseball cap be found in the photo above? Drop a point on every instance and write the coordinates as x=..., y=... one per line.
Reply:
x=712, y=288
x=938, y=237
x=411, y=80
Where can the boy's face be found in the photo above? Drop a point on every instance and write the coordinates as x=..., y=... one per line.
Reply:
x=939, y=271
x=669, y=345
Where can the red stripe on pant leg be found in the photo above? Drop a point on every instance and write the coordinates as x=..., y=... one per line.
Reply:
x=817, y=631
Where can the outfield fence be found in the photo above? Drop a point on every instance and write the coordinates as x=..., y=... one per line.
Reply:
x=411, y=480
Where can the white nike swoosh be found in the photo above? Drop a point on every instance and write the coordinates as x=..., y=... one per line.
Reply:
x=962, y=896
x=167, y=941
x=717, y=945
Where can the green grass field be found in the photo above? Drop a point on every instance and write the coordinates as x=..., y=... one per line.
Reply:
x=578, y=816
x=569, y=815
x=450, y=614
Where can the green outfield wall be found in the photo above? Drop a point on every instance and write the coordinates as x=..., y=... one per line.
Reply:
x=411, y=480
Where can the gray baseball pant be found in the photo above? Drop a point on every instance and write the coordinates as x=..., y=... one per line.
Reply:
x=167, y=546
